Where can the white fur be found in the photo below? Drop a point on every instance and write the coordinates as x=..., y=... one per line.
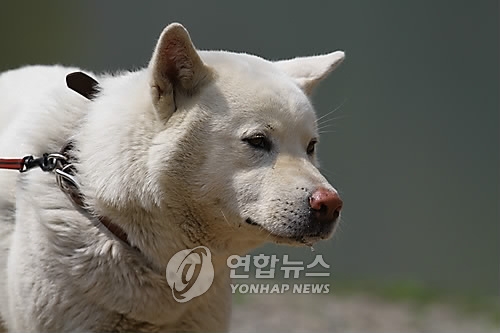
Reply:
x=161, y=154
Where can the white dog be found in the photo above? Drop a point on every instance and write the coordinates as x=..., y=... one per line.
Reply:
x=204, y=148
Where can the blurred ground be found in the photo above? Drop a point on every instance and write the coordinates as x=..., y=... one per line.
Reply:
x=358, y=312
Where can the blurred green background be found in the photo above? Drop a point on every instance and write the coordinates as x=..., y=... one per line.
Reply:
x=413, y=148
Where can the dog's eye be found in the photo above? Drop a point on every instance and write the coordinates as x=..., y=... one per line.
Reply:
x=259, y=142
x=311, y=146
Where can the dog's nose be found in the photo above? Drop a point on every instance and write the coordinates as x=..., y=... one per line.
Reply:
x=325, y=205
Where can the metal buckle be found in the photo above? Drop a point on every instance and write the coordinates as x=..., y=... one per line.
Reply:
x=65, y=178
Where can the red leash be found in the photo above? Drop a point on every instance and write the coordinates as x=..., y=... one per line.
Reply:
x=12, y=163
x=47, y=162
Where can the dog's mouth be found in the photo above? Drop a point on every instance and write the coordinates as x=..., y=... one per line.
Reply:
x=251, y=222
x=300, y=240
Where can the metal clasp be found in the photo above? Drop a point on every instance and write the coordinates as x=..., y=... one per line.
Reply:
x=65, y=178
x=57, y=163
x=48, y=162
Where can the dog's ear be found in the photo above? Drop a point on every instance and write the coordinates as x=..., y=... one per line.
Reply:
x=309, y=71
x=176, y=68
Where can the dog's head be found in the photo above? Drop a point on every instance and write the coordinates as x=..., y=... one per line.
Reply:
x=246, y=135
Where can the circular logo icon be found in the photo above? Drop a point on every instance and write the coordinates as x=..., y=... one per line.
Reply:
x=190, y=273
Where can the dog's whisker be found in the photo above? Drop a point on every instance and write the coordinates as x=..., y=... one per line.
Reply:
x=326, y=132
x=334, y=110
x=326, y=126
x=329, y=120
x=225, y=218
x=327, y=129
x=329, y=113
